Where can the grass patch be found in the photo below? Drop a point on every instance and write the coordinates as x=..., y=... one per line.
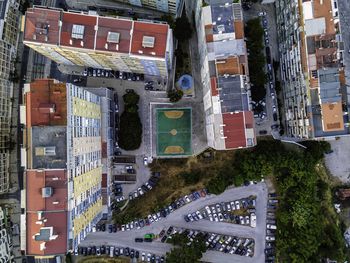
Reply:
x=103, y=259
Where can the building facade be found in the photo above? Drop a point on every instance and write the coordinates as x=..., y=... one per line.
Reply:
x=167, y=6
x=5, y=238
x=9, y=25
x=313, y=79
x=63, y=167
x=100, y=42
x=225, y=77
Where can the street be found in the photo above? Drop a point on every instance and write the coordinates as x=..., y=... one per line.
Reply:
x=126, y=239
x=265, y=125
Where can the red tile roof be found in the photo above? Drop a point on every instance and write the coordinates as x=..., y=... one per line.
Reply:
x=53, y=210
x=123, y=27
x=249, y=119
x=158, y=31
x=234, y=130
x=36, y=22
x=57, y=220
x=214, y=86
x=89, y=22
x=43, y=95
x=36, y=180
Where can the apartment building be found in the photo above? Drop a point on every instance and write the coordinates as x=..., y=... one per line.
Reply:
x=225, y=78
x=77, y=38
x=63, y=165
x=109, y=124
x=173, y=7
x=5, y=238
x=313, y=80
x=9, y=23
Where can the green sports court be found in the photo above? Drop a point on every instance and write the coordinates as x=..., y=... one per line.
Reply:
x=174, y=129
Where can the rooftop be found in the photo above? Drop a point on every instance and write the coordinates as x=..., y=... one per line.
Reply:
x=234, y=130
x=43, y=242
x=41, y=25
x=54, y=182
x=111, y=25
x=46, y=103
x=80, y=30
x=156, y=32
x=49, y=147
x=231, y=96
x=83, y=35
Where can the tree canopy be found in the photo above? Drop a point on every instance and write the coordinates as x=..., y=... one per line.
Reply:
x=130, y=133
x=185, y=252
x=182, y=29
x=256, y=59
x=175, y=95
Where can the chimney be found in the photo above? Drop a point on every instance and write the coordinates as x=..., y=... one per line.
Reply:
x=106, y=46
x=82, y=43
x=70, y=42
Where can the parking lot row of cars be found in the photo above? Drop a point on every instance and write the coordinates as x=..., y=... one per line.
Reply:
x=147, y=186
x=103, y=73
x=237, y=211
x=271, y=85
x=271, y=228
x=151, y=218
x=217, y=242
x=112, y=251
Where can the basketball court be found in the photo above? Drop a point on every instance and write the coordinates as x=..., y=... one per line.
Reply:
x=174, y=129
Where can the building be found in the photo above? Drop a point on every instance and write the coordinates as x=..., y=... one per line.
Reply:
x=9, y=23
x=63, y=165
x=313, y=80
x=122, y=44
x=224, y=74
x=5, y=238
x=109, y=133
x=167, y=6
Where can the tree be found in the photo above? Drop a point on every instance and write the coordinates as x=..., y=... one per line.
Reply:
x=169, y=19
x=131, y=98
x=182, y=29
x=175, y=95
x=130, y=134
x=186, y=252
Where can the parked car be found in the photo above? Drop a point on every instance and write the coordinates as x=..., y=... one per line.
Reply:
x=262, y=14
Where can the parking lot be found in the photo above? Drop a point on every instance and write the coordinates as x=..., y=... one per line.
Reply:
x=176, y=219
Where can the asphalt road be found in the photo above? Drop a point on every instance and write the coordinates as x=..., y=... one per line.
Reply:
x=273, y=44
x=126, y=239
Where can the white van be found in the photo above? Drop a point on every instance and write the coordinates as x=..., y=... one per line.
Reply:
x=111, y=252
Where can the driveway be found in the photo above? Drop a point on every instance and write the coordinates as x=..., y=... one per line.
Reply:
x=126, y=239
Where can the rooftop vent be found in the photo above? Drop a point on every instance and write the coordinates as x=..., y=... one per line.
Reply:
x=45, y=151
x=46, y=192
x=78, y=31
x=42, y=29
x=148, y=41
x=113, y=37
